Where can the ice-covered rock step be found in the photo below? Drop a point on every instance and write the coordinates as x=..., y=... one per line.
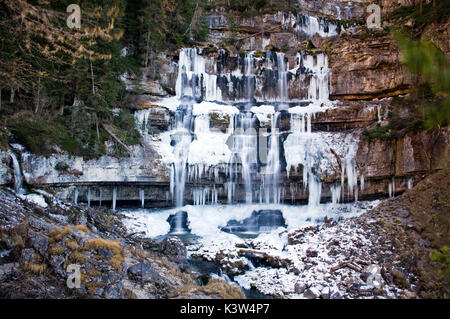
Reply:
x=259, y=221
x=179, y=223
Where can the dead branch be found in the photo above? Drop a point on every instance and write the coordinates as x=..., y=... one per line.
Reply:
x=117, y=139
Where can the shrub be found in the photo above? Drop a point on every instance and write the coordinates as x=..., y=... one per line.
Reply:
x=113, y=245
x=442, y=256
x=61, y=166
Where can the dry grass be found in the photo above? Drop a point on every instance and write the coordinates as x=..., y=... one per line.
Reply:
x=56, y=250
x=72, y=244
x=18, y=241
x=117, y=262
x=215, y=288
x=77, y=257
x=100, y=243
x=113, y=245
x=82, y=228
x=35, y=268
x=56, y=234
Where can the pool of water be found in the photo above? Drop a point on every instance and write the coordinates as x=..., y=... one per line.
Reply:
x=207, y=220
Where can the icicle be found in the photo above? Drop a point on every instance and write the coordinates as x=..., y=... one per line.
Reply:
x=75, y=197
x=336, y=194
x=114, y=198
x=142, y=197
x=89, y=197
x=410, y=183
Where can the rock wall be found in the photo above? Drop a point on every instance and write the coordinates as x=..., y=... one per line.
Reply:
x=365, y=72
x=366, y=69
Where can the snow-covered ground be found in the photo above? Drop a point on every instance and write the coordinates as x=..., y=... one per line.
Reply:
x=330, y=259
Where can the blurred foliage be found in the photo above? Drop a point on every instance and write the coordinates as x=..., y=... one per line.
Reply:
x=442, y=256
x=431, y=69
x=428, y=104
x=430, y=13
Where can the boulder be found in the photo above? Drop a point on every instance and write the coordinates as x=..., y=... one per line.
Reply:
x=299, y=287
x=143, y=272
x=259, y=221
x=312, y=293
x=173, y=247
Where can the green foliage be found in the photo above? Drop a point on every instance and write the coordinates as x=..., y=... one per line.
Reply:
x=442, y=256
x=233, y=26
x=249, y=8
x=49, y=66
x=62, y=166
x=412, y=13
x=125, y=127
x=39, y=134
x=431, y=67
x=380, y=132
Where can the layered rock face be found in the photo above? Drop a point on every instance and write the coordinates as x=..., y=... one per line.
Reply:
x=307, y=84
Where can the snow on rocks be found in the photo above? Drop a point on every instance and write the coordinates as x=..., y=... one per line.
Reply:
x=328, y=261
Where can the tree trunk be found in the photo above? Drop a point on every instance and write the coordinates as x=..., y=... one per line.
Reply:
x=61, y=104
x=38, y=95
x=421, y=7
x=116, y=138
x=11, y=97
x=147, y=48
x=96, y=127
x=92, y=77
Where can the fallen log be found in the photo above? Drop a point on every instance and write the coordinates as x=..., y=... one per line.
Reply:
x=116, y=138
x=347, y=264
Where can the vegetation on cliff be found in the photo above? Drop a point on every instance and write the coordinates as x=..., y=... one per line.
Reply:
x=428, y=104
x=60, y=85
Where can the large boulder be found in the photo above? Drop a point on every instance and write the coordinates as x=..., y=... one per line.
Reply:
x=259, y=221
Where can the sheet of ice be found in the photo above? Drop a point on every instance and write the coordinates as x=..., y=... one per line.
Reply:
x=263, y=112
x=171, y=103
x=205, y=220
x=207, y=107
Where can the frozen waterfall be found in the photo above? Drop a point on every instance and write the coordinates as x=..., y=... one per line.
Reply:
x=225, y=143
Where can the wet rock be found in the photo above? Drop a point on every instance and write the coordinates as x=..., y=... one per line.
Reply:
x=39, y=242
x=39, y=223
x=57, y=263
x=105, y=253
x=173, y=247
x=7, y=268
x=335, y=293
x=403, y=213
x=259, y=221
